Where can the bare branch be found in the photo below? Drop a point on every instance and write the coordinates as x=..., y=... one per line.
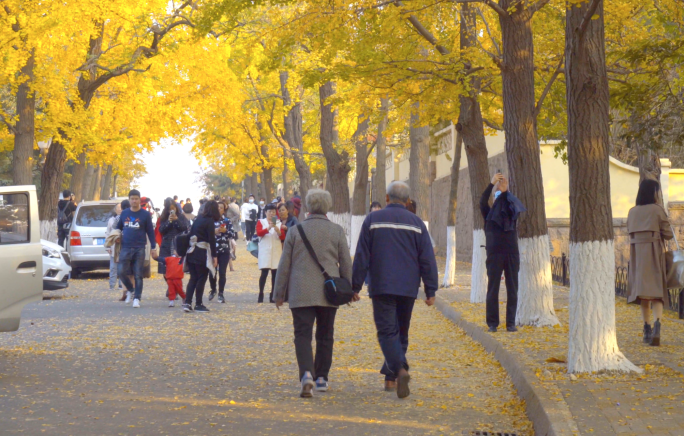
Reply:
x=547, y=88
x=587, y=17
x=498, y=9
x=422, y=31
x=489, y=33
x=537, y=6
x=10, y=127
x=492, y=125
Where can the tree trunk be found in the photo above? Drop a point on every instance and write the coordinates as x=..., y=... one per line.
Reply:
x=286, y=177
x=649, y=168
x=115, y=188
x=419, y=165
x=293, y=135
x=593, y=341
x=359, y=202
x=380, y=186
x=450, y=269
x=77, y=177
x=337, y=163
x=471, y=127
x=51, y=184
x=535, y=292
x=96, y=185
x=106, y=185
x=254, y=186
x=267, y=174
x=88, y=182
x=22, y=155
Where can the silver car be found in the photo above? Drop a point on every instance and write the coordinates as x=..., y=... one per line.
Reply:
x=87, y=237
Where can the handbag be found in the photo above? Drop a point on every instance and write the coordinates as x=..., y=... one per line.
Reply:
x=674, y=266
x=337, y=290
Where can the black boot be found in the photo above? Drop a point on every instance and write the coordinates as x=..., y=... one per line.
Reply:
x=261, y=297
x=655, y=336
x=647, y=333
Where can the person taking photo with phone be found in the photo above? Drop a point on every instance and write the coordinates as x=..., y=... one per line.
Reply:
x=502, y=249
x=173, y=223
x=272, y=233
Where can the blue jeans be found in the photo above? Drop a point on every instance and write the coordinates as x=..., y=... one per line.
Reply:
x=132, y=262
x=392, y=315
x=113, y=274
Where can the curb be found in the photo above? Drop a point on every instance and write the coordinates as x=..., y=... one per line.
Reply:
x=549, y=416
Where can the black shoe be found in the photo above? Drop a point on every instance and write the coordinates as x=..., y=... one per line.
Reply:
x=200, y=308
x=187, y=308
x=511, y=328
x=655, y=336
x=648, y=332
x=492, y=329
x=221, y=299
x=212, y=294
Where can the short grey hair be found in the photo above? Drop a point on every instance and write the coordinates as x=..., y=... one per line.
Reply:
x=398, y=191
x=318, y=201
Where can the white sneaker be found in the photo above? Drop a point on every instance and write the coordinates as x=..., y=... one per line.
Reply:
x=172, y=303
x=307, y=385
x=129, y=297
x=136, y=303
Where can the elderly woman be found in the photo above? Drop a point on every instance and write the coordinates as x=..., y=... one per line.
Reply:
x=648, y=228
x=300, y=278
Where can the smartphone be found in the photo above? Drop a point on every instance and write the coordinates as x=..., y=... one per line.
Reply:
x=498, y=171
x=173, y=212
x=273, y=220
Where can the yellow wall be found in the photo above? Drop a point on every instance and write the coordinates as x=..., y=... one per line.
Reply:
x=624, y=179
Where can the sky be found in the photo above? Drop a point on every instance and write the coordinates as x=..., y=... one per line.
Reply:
x=171, y=170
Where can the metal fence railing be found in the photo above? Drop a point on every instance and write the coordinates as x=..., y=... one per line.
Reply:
x=560, y=269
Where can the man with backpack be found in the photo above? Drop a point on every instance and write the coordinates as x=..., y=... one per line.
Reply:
x=249, y=212
x=65, y=213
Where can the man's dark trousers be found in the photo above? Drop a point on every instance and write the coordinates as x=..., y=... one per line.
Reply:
x=132, y=262
x=509, y=264
x=303, y=319
x=392, y=315
x=62, y=235
x=250, y=227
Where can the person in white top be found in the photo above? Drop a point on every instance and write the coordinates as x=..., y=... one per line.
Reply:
x=113, y=266
x=249, y=212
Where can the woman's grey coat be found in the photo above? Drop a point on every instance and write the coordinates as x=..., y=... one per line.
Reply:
x=298, y=274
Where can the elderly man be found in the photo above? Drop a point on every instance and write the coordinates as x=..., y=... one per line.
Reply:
x=502, y=250
x=394, y=246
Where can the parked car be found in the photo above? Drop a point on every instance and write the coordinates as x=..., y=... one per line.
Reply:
x=20, y=253
x=56, y=266
x=87, y=236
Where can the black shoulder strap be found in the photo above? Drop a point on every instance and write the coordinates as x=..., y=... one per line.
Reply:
x=311, y=251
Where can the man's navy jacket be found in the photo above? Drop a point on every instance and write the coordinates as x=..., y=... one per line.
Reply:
x=395, y=247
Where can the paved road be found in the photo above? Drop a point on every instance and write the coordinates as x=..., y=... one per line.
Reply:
x=84, y=364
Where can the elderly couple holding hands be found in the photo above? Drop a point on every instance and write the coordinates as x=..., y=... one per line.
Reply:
x=394, y=252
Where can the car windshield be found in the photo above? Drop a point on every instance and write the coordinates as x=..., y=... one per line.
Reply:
x=94, y=216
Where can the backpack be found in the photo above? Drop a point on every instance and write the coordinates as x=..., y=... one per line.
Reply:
x=62, y=218
x=252, y=215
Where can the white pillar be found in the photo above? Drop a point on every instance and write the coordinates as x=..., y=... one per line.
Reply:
x=665, y=166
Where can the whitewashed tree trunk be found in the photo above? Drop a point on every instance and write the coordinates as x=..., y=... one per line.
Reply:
x=48, y=230
x=592, y=337
x=356, y=223
x=343, y=219
x=450, y=270
x=535, y=283
x=478, y=278
x=593, y=341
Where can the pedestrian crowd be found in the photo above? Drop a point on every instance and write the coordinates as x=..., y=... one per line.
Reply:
x=311, y=268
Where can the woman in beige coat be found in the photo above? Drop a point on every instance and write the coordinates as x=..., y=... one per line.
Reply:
x=301, y=279
x=648, y=228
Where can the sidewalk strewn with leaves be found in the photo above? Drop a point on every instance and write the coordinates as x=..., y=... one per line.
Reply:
x=88, y=364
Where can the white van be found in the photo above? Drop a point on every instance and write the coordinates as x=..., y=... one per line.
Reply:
x=21, y=260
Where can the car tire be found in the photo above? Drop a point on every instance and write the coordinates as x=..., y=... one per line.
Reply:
x=147, y=270
x=75, y=273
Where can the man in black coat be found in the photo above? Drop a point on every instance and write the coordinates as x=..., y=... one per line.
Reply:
x=502, y=249
x=67, y=206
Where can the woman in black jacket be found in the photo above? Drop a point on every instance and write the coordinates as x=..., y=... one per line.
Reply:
x=173, y=223
x=201, y=257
